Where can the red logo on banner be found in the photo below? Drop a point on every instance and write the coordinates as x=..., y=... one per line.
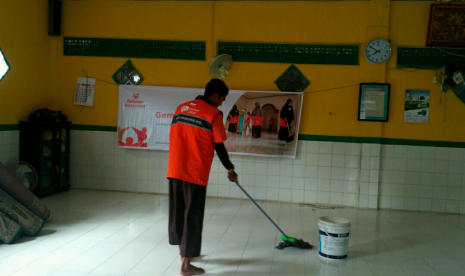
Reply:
x=129, y=141
x=134, y=102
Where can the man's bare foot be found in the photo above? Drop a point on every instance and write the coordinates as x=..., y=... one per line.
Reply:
x=188, y=269
x=191, y=270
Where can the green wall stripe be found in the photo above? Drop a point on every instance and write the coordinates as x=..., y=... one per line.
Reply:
x=406, y=142
x=302, y=137
x=384, y=141
x=94, y=128
x=9, y=127
x=323, y=138
x=267, y=0
x=289, y=0
x=274, y=0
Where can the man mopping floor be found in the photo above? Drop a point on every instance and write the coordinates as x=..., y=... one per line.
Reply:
x=196, y=131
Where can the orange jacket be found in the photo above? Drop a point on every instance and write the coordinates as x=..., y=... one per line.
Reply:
x=192, y=142
x=282, y=122
x=233, y=120
x=257, y=120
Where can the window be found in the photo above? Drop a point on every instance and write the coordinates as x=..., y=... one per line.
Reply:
x=4, y=67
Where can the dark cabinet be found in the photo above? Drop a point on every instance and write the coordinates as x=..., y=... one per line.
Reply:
x=45, y=145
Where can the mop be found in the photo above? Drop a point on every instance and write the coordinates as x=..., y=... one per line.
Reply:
x=237, y=129
x=290, y=138
x=287, y=241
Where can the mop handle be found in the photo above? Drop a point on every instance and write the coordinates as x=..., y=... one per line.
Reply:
x=237, y=183
x=288, y=129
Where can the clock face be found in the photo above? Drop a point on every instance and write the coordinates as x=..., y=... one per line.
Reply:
x=377, y=51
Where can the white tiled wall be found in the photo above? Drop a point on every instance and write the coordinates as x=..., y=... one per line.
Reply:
x=369, y=176
x=322, y=172
x=337, y=173
x=423, y=178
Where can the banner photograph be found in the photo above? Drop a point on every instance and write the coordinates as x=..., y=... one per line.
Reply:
x=258, y=123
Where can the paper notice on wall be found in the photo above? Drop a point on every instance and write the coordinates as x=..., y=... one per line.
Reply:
x=85, y=88
x=416, y=106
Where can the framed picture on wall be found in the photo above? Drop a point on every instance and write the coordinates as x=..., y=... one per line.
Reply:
x=446, y=26
x=374, y=102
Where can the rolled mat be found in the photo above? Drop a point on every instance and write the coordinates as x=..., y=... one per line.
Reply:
x=29, y=221
x=9, y=230
x=16, y=189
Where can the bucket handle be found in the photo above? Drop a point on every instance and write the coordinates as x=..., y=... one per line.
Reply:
x=324, y=229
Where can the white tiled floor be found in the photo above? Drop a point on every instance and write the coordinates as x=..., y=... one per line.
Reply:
x=100, y=233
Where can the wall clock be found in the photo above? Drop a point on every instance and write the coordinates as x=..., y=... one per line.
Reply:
x=377, y=51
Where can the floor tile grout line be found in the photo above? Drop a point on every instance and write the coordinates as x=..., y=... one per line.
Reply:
x=242, y=203
x=248, y=239
x=108, y=236
x=51, y=251
x=384, y=241
x=133, y=240
x=160, y=219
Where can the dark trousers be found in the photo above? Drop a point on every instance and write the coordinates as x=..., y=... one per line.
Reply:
x=257, y=131
x=186, y=212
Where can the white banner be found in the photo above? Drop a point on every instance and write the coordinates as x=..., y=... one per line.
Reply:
x=145, y=114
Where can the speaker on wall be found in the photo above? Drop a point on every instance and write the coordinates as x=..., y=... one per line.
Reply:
x=54, y=17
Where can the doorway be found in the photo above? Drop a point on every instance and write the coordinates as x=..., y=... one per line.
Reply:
x=268, y=111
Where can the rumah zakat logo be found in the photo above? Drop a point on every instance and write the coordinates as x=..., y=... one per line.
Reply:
x=184, y=108
x=135, y=102
x=132, y=137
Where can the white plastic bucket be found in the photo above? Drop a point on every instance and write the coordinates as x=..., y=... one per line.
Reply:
x=334, y=238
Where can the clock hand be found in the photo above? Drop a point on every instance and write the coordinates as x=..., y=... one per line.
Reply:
x=376, y=51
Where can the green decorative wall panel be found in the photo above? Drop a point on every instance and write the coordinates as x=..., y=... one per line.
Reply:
x=134, y=48
x=292, y=80
x=291, y=53
x=428, y=57
x=128, y=75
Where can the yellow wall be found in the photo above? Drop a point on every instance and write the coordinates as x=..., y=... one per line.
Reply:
x=332, y=112
x=447, y=116
x=283, y=22
x=26, y=45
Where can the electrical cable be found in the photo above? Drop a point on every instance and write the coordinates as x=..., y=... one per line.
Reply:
x=107, y=82
x=402, y=69
x=335, y=88
x=87, y=85
x=448, y=52
x=316, y=206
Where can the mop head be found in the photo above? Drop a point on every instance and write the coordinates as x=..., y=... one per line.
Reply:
x=290, y=138
x=289, y=241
